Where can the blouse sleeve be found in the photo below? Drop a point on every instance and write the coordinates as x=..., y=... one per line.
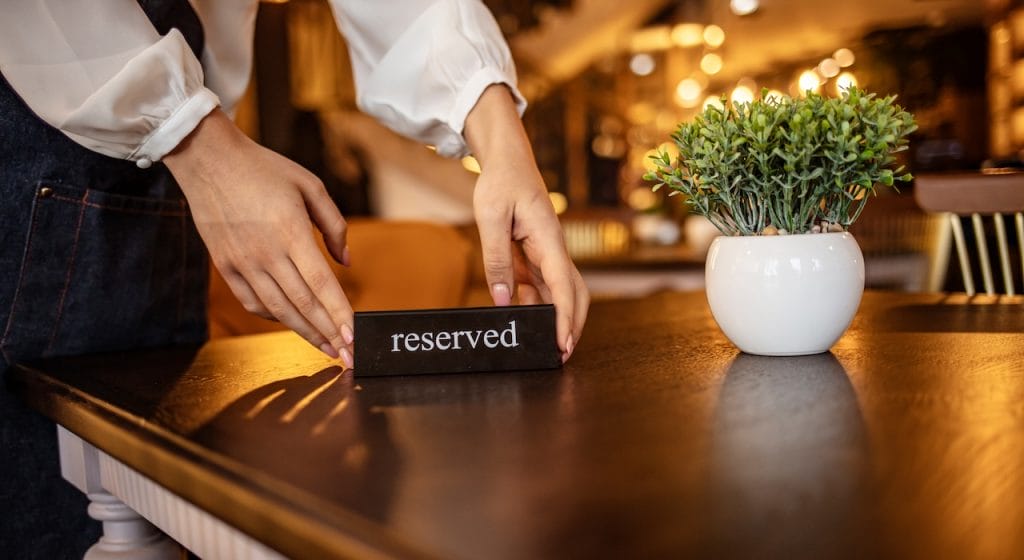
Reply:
x=101, y=74
x=421, y=65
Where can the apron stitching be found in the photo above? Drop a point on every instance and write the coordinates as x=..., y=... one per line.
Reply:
x=71, y=269
x=21, y=279
x=115, y=209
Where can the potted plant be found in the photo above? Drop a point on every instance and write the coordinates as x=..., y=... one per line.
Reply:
x=783, y=178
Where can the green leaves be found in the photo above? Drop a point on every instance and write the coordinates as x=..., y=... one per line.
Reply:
x=790, y=163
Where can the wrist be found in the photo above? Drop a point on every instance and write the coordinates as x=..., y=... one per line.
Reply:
x=494, y=132
x=214, y=134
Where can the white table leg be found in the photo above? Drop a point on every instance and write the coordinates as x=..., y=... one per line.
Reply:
x=142, y=519
x=126, y=534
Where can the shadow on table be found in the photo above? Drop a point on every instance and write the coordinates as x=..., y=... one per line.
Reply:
x=316, y=433
x=953, y=317
x=788, y=460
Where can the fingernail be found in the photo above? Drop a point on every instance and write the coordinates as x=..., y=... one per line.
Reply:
x=568, y=349
x=346, y=257
x=502, y=294
x=346, y=333
x=346, y=357
x=326, y=348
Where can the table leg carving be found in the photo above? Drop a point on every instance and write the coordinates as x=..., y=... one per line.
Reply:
x=126, y=534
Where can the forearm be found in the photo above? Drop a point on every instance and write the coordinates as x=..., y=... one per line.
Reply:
x=494, y=132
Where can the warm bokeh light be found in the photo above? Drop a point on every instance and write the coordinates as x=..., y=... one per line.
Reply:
x=809, y=81
x=844, y=57
x=714, y=36
x=741, y=94
x=666, y=120
x=828, y=68
x=469, y=163
x=774, y=96
x=688, y=92
x=1000, y=33
x=713, y=101
x=673, y=151
x=590, y=238
x=845, y=81
x=642, y=64
x=688, y=34
x=711, y=64
x=744, y=7
x=701, y=79
x=559, y=201
x=641, y=112
x=648, y=163
x=608, y=146
x=642, y=198
x=649, y=39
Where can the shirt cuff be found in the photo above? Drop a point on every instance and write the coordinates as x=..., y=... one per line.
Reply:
x=455, y=146
x=175, y=128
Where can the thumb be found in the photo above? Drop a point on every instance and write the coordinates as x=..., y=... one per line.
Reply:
x=329, y=221
x=496, y=242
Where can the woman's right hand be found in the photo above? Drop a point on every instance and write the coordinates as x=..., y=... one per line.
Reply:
x=255, y=210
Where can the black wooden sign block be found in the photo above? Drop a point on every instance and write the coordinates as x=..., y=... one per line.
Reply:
x=456, y=340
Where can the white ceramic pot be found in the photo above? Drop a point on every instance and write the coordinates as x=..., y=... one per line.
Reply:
x=784, y=295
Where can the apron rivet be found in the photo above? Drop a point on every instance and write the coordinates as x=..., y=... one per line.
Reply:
x=45, y=192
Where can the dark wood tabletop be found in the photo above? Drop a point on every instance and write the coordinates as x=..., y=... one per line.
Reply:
x=657, y=440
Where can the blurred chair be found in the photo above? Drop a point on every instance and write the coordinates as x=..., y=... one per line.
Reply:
x=904, y=248
x=395, y=265
x=982, y=197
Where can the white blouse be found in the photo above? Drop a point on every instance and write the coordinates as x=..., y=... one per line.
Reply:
x=100, y=73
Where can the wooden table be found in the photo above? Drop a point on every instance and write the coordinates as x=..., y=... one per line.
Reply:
x=658, y=440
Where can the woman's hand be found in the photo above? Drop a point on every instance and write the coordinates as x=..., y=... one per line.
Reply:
x=255, y=210
x=521, y=238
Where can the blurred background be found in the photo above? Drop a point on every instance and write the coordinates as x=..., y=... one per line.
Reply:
x=609, y=80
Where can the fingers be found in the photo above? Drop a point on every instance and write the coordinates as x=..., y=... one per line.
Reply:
x=572, y=300
x=561, y=285
x=556, y=280
x=286, y=296
x=279, y=305
x=244, y=294
x=582, y=301
x=336, y=317
x=496, y=242
x=528, y=295
x=328, y=220
x=559, y=282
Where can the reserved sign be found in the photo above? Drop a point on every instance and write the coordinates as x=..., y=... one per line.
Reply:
x=456, y=340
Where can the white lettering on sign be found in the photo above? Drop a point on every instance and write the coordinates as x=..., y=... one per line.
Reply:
x=445, y=340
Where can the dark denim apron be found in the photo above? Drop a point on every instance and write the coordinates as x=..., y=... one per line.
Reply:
x=95, y=255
